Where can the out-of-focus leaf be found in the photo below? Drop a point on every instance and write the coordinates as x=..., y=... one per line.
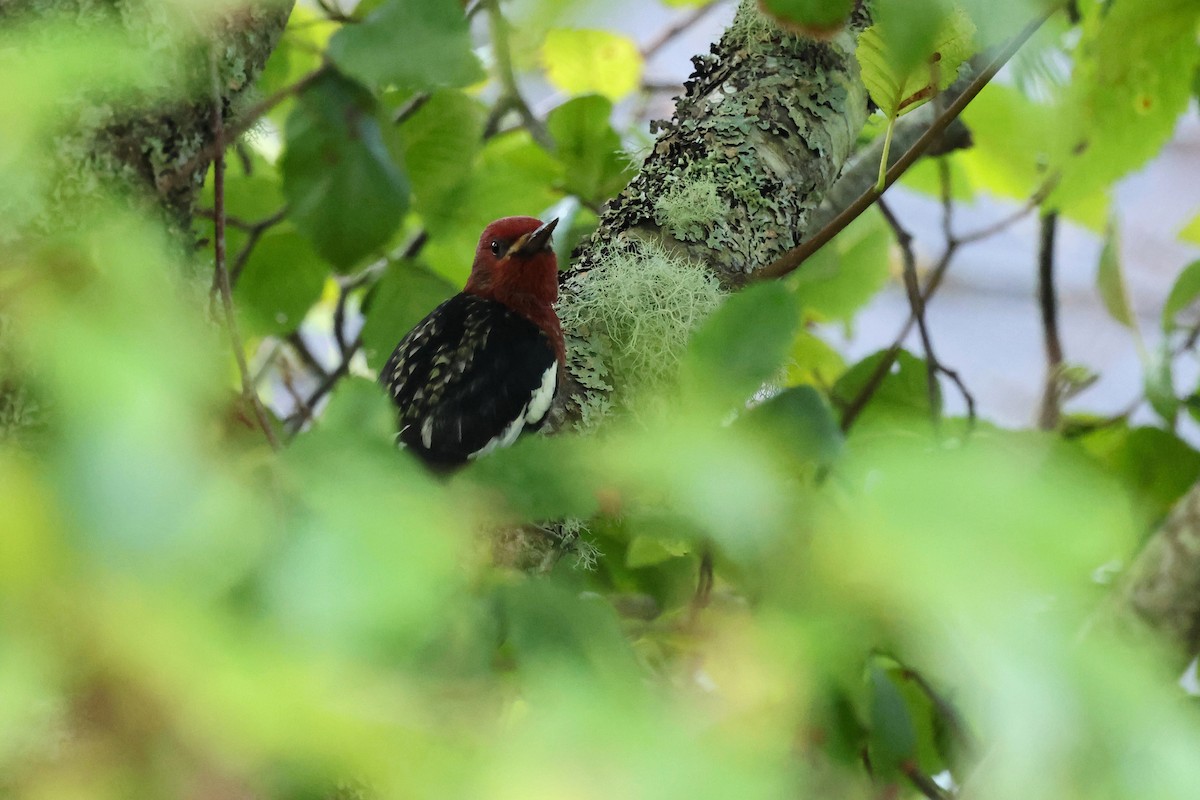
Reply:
x=280, y=282
x=1155, y=465
x=799, y=422
x=581, y=61
x=902, y=396
x=402, y=298
x=813, y=361
x=809, y=17
x=646, y=551
x=893, y=737
x=441, y=141
x=1159, y=382
x=1183, y=292
x=1109, y=281
x=846, y=273
x=344, y=191
x=411, y=44
x=590, y=150
x=1132, y=80
x=741, y=345
x=1191, y=231
x=540, y=478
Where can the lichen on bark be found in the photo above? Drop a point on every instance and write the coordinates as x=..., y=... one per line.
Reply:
x=763, y=129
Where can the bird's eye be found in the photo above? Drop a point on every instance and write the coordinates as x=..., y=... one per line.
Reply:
x=496, y=247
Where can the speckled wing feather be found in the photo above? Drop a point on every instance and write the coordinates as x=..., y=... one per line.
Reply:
x=469, y=378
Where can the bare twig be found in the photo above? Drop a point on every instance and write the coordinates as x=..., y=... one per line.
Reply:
x=307, y=408
x=923, y=783
x=917, y=305
x=678, y=28
x=1029, y=206
x=249, y=393
x=510, y=94
x=334, y=13
x=1051, y=409
x=793, y=258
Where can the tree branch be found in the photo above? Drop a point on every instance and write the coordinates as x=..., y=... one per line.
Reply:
x=1051, y=411
x=249, y=392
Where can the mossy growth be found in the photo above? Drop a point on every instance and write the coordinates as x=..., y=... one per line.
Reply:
x=629, y=321
x=22, y=414
x=690, y=209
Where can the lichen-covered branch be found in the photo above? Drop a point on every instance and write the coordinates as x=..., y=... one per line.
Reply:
x=766, y=123
x=1162, y=585
x=144, y=142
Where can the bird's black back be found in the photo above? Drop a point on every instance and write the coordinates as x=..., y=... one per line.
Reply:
x=466, y=375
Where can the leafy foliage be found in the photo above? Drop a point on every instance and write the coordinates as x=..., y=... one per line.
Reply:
x=774, y=570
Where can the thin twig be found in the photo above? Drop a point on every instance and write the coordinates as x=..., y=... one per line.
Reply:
x=510, y=94
x=1051, y=409
x=296, y=340
x=1029, y=206
x=923, y=783
x=249, y=393
x=307, y=409
x=680, y=27
x=335, y=14
x=793, y=258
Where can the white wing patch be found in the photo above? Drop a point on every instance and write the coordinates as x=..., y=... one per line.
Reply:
x=532, y=413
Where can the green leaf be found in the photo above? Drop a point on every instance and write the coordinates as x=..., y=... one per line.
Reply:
x=646, y=551
x=344, y=191
x=581, y=61
x=893, y=737
x=1109, y=281
x=1155, y=465
x=280, y=282
x=901, y=398
x=540, y=478
x=1191, y=231
x=1185, y=290
x=401, y=299
x=440, y=143
x=809, y=17
x=845, y=274
x=1133, y=69
x=419, y=45
x=813, y=361
x=904, y=66
x=799, y=421
x=589, y=148
x=741, y=344
x=1159, y=383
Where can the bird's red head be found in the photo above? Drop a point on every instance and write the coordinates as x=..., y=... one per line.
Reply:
x=515, y=265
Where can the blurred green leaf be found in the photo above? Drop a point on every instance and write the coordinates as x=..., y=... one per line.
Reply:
x=893, y=737
x=813, y=361
x=1133, y=68
x=1191, y=231
x=405, y=294
x=590, y=150
x=741, y=344
x=280, y=282
x=812, y=17
x=800, y=422
x=584, y=61
x=901, y=398
x=907, y=57
x=1109, y=281
x=1159, y=382
x=344, y=191
x=646, y=551
x=1154, y=465
x=440, y=144
x=1183, y=292
x=410, y=44
x=540, y=478
x=841, y=277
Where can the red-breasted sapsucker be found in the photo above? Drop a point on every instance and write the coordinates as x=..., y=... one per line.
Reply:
x=483, y=366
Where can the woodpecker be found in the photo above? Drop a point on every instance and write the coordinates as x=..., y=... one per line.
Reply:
x=484, y=366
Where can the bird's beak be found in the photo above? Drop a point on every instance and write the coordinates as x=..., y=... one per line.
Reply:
x=536, y=242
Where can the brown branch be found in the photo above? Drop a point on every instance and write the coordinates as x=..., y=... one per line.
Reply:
x=1051, y=408
x=249, y=393
x=793, y=258
x=680, y=27
x=307, y=409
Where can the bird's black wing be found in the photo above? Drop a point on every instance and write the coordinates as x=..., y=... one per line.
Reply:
x=470, y=377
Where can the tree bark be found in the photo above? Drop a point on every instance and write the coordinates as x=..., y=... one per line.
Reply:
x=767, y=121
